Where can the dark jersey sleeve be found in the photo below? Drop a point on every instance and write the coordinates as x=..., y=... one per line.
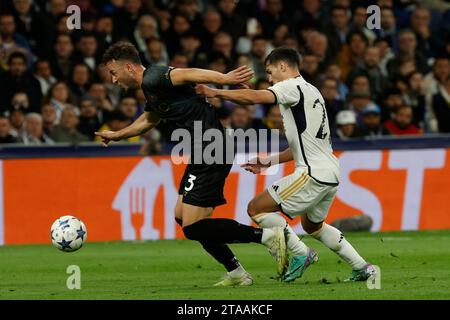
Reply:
x=157, y=78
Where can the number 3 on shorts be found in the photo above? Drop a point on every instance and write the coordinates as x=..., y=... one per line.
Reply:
x=191, y=181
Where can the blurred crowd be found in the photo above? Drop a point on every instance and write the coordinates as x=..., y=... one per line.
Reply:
x=394, y=80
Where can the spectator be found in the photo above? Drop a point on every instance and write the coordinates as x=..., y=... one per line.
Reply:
x=89, y=120
x=415, y=97
x=441, y=109
x=223, y=44
x=372, y=71
x=257, y=55
x=310, y=69
x=317, y=44
x=407, y=51
x=80, y=81
x=87, y=51
x=99, y=93
x=128, y=107
x=43, y=74
x=127, y=17
x=353, y=52
x=58, y=96
x=274, y=120
x=20, y=100
x=67, y=131
x=271, y=17
x=179, y=60
x=232, y=22
x=18, y=79
x=212, y=22
x=17, y=121
x=48, y=118
x=62, y=62
x=179, y=26
x=240, y=117
x=339, y=28
x=401, y=123
x=32, y=25
x=34, y=131
x=104, y=30
x=428, y=44
x=372, y=126
x=146, y=29
x=190, y=45
x=334, y=71
x=5, y=135
x=358, y=101
x=346, y=125
x=333, y=104
x=12, y=40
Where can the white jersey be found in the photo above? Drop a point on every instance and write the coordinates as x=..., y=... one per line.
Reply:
x=307, y=130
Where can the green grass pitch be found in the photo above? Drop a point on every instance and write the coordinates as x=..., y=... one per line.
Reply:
x=414, y=265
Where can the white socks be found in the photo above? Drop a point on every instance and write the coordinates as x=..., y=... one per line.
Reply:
x=334, y=239
x=238, y=272
x=271, y=220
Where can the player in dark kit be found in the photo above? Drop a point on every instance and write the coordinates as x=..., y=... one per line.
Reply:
x=172, y=103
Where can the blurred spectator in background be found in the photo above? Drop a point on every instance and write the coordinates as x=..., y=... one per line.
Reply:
x=416, y=97
x=339, y=28
x=89, y=121
x=257, y=55
x=32, y=25
x=232, y=22
x=11, y=39
x=441, y=107
x=371, y=69
x=20, y=100
x=334, y=71
x=34, y=131
x=62, y=62
x=67, y=130
x=372, y=125
x=346, y=125
x=5, y=135
x=271, y=17
x=427, y=44
x=58, y=96
x=87, y=52
x=333, y=104
x=359, y=99
x=155, y=53
x=310, y=69
x=392, y=100
x=17, y=121
x=352, y=53
x=274, y=120
x=18, y=79
x=127, y=17
x=146, y=29
x=80, y=81
x=49, y=118
x=407, y=52
x=43, y=74
x=128, y=107
x=402, y=122
x=240, y=117
x=99, y=93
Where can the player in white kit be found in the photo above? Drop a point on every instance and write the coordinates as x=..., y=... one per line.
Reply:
x=310, y=190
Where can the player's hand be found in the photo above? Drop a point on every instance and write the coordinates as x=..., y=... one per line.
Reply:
x=205, y=91
x=107, y=137
x=239, y=75
x=255, y=165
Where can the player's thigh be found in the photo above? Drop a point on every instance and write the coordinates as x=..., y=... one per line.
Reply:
x=262, y=203
x=179, y=208
x=292, y=194
x=316, y=214
x=192, y=214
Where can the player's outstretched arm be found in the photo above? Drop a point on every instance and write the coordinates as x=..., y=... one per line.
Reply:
x=181, y=76
x=257, y=165
x=142, y=124
x=240, y=96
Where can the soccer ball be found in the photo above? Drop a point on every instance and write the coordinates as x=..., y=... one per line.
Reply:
x=68, y=233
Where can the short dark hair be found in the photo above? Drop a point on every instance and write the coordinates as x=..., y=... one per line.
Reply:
x=122, y=51
x=288, y=55
x=17, y=55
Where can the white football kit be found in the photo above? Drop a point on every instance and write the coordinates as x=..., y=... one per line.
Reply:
x=312, y=187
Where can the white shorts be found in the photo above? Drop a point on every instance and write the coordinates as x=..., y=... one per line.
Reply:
x=298, y=194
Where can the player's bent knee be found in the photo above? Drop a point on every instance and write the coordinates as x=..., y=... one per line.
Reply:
x=251, y=209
